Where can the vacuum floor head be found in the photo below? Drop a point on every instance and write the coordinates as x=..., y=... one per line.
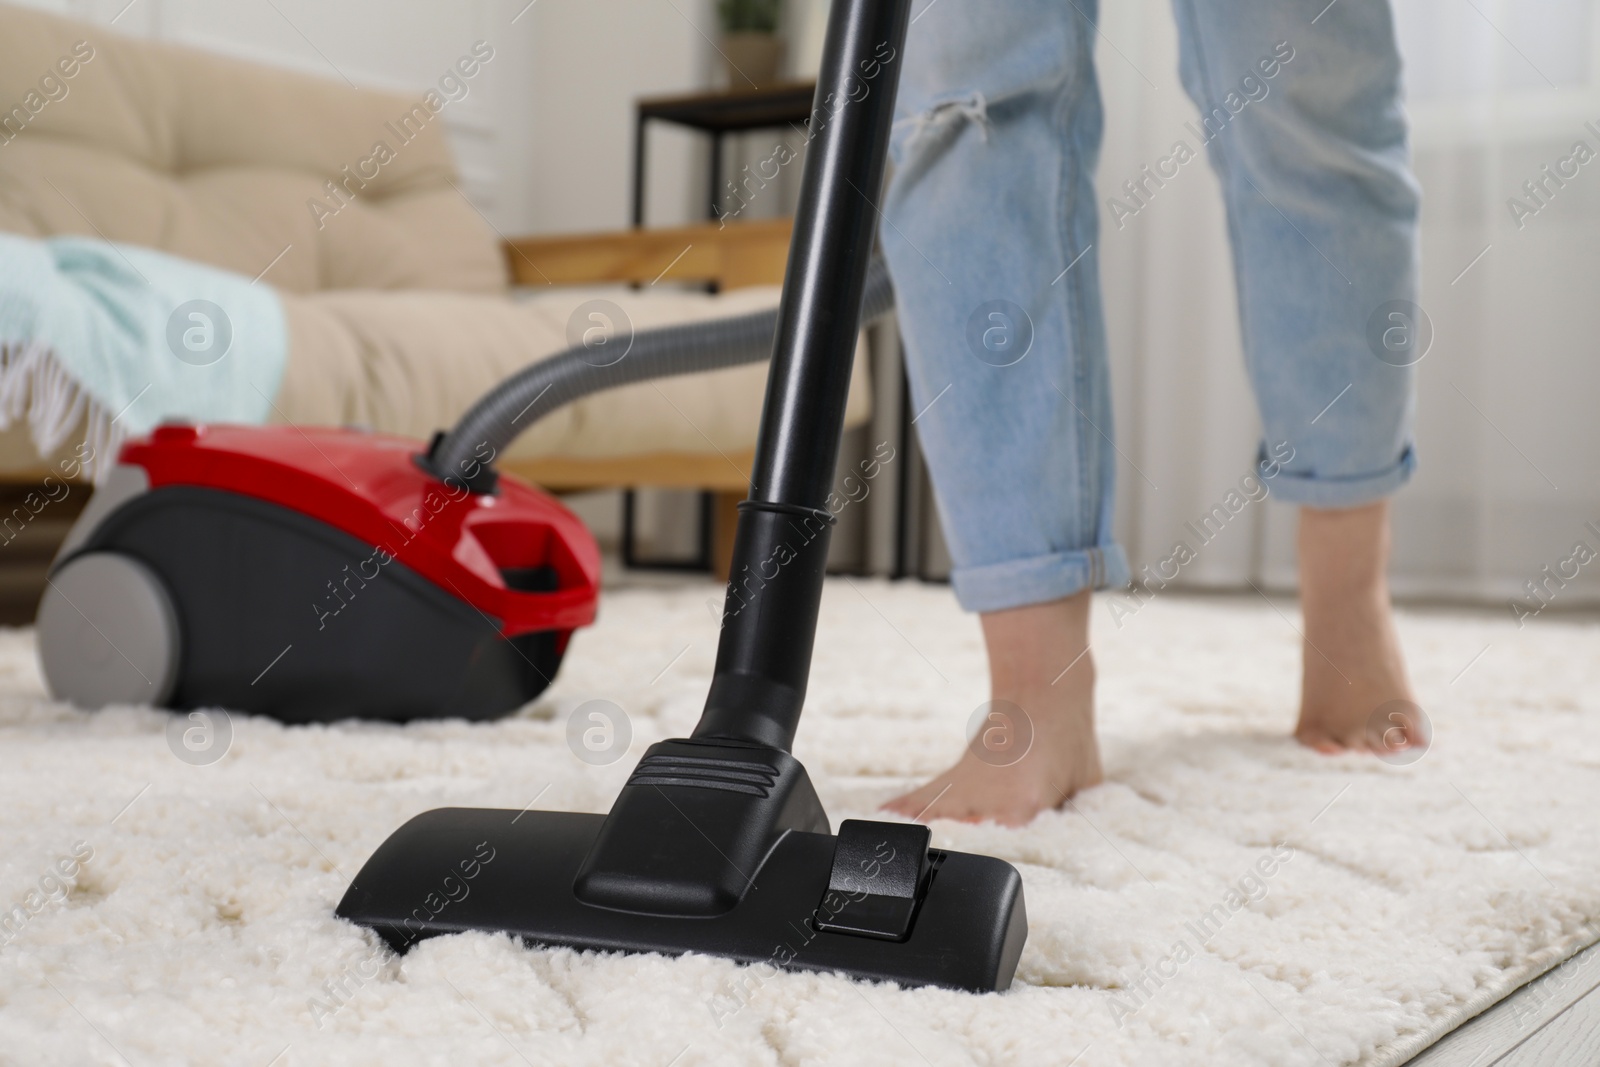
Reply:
x=689, y=862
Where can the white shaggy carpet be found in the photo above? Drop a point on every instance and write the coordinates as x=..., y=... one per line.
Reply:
x=200, y=928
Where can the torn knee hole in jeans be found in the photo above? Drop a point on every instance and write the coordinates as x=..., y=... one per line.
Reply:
x=973, y=108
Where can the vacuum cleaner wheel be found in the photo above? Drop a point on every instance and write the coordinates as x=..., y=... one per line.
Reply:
x=108, y=633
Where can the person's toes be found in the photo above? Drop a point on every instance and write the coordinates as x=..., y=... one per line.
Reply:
x=899, y=805
x=1010, y=817
x=1320, y=741
x=913, y=804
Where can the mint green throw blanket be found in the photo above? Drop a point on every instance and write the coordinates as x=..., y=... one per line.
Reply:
x=126, y=337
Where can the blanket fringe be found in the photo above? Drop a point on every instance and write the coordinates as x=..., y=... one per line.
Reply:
x=34, y=386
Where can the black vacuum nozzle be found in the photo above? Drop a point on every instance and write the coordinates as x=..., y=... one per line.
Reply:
x=718, y=843
x=704, y=857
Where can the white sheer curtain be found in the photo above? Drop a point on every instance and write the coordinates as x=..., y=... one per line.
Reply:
x=1508, y=439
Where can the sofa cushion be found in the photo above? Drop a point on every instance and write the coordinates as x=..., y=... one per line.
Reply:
x=410, y=364
x=219, y=160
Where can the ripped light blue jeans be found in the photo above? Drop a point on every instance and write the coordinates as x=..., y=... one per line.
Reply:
x=991, y=231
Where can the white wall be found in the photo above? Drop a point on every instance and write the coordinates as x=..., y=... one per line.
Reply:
x=592, y=60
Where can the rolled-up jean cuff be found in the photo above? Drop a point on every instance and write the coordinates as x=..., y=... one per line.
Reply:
x=1320, y=492
x=1039, y=579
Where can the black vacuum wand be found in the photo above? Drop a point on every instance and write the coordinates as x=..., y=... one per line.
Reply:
x=718, y=843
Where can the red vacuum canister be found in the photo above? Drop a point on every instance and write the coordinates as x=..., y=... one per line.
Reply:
x=311, y=575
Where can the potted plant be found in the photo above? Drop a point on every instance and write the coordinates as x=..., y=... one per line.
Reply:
x=750, y=43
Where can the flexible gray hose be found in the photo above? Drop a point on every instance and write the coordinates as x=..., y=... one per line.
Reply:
x=491, y=424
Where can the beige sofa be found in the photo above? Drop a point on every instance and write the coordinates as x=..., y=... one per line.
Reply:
x=396, y=290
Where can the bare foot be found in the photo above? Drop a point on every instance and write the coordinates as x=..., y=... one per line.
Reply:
x=1353, y=664
x=1037, y=745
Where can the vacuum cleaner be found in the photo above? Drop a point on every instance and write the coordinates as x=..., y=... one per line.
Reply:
x=310, y=575
x=424, y=584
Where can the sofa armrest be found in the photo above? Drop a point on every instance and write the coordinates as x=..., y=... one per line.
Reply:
x=729, y=256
